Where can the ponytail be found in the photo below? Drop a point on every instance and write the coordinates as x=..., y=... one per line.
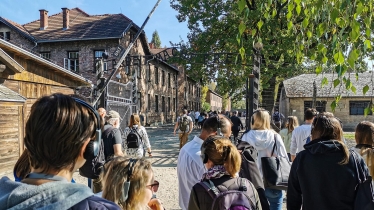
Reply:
x=369, y=160
x=233, y=161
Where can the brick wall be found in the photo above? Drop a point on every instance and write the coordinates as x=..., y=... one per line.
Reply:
x=17, y=38
x=342, y=111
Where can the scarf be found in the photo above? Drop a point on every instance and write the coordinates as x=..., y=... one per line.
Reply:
x=215, y=172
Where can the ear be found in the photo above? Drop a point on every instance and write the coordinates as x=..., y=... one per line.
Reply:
x=84, y=147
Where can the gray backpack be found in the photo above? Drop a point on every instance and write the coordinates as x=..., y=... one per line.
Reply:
x=231, y=199
x=183, y=123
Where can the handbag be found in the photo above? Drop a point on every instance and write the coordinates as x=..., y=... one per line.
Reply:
x=364, y=191
x=275, y=170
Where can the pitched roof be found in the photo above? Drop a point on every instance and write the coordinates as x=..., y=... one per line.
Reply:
x=7, y=94
x=81, y=26
x=214, y=93
x=302, y=85
x=21, y=29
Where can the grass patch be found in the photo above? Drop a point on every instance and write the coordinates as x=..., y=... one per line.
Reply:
x=349, y=136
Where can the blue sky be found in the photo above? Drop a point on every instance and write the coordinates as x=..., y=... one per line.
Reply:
x=163, y=20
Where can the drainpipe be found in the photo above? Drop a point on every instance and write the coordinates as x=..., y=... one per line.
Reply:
x=146, y=113
x=36, y=44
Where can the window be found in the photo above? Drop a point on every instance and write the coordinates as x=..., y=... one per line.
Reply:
x=45, y=55
x=174, y=105
x=320, y=105
x=5, y=35
x=163, y=78
x=358, y=107
x=163, y=104
x=149, y=101
x=156, y=75
x=169, y=107
x=137, y=62
x=73, y=61
x=139, y=100
x=149, y=72
x=169, y=80
x=156, y=103
x=98, y=57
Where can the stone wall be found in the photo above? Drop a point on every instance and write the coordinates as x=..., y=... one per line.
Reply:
x=17, y=38
x=342, y=111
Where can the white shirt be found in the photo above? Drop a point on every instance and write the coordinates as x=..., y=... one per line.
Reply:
x=197, y=114
x=299, y=137
x=190, y=169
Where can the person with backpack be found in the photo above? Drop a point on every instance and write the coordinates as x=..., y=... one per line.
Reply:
x=112, y=136
x=135, y=138
x=220, y=184
x=286, y=133
x=324, y=175
x=61, y=133
x=277, y=118
x=263, y=139
x=237, y=126
x=184, y=125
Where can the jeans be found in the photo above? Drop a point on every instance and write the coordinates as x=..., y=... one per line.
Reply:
x=275, y=198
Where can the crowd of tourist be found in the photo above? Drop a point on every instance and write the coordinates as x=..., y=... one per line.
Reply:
x=64, y=133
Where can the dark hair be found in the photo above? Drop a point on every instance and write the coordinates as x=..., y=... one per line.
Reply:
x=326, y=127
x=365, y=135
x=310, y=113
x=56, y=131
x=211, y=124
x=22, y=167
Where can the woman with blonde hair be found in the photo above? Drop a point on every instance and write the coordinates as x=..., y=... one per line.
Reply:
x=286, y=133
x=136, y=132
x=222, y=160
x=129, y=182
x=364, y=137
x=263, y=138
x=324, y=175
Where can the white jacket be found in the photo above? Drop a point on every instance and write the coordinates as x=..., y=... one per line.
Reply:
x=263, y=141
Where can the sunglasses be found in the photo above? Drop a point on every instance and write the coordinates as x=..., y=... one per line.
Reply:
x=154, y=186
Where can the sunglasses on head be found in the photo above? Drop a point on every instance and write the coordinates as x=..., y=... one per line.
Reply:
x=154, y=186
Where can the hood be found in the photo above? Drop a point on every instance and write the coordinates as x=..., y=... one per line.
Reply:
x=51, y=195
x=261, y=139
x=320, y=146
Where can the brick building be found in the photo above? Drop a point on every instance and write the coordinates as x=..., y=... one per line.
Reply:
x=296, y=95
x=76, y=40
x=215, y=100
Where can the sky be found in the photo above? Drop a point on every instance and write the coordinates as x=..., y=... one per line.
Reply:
x=163, y=19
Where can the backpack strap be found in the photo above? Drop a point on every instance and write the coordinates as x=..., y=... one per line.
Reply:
x=275, y=146
x=210, y=188
x=243, y=188
x=107, y=131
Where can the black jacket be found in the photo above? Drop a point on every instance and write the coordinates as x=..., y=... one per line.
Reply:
x=237, y=123
x=318, y=181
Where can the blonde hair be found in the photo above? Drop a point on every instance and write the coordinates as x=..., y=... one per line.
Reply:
x=292, y=123
x=216, y=152
x=365, y=135
x=115, y=173
x=261, y=120
x=134, y=120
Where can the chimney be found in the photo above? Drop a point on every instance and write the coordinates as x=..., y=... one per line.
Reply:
x=151, y=45
x=43, y=19
x=65, y=18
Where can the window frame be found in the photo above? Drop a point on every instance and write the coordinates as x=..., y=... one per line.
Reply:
x=156, y=75
x=320, y=106
x=163, y=77
x=366, y=103
x=47, y=52
x=156, y=103
x=75, y=59
x=105, y=63
x=163, y=104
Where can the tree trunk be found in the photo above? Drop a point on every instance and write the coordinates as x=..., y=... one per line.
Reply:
x=268, y=95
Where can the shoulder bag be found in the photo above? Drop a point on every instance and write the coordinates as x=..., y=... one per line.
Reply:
x=364, y=191
x=275, y=170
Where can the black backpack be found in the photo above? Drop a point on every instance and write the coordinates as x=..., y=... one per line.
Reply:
x=92, y=167
x=133, y=139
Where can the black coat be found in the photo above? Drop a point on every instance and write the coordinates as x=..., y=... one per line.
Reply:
x=237, y=123
x=318, y=181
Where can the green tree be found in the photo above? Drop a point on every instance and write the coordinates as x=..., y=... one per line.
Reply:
x=334, y=34
x=204, y=91
x=238, y=105
x=212, y=86
x=156, y=39
x=205, y=107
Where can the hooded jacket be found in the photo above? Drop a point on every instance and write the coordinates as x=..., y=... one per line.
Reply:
x=263, y=141
x=318, y=181
x=56, y=195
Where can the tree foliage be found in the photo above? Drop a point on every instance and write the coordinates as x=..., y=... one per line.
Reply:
x=205, y=107
x=333, y=34
x=204, y=91
x=156, y=39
